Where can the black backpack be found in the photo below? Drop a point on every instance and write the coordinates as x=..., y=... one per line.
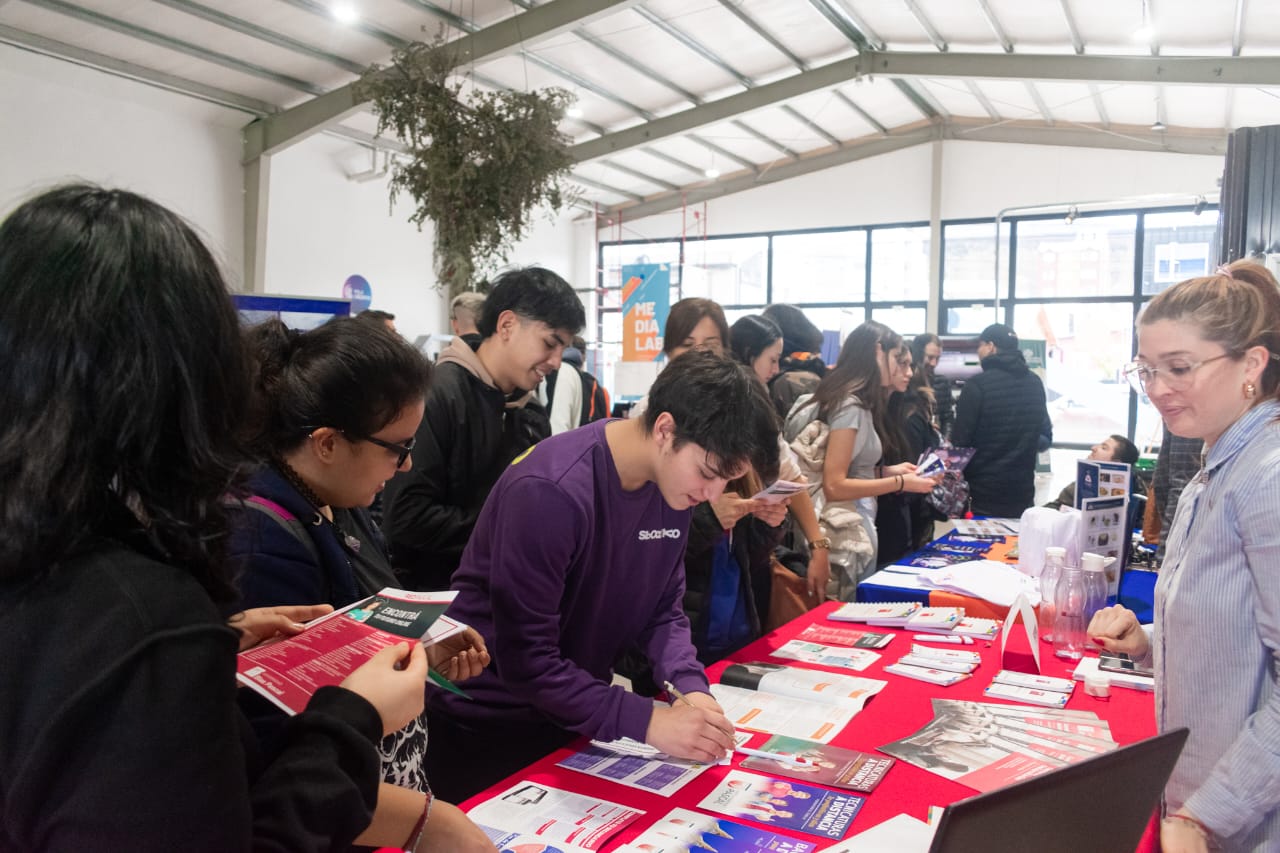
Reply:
x=595, y=400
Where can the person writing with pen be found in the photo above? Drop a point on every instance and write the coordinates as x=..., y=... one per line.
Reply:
x=577, y=557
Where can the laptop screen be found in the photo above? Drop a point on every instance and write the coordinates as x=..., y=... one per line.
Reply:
x=1101, y=804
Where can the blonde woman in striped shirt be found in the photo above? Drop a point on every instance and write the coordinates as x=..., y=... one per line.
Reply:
x=1209, y=359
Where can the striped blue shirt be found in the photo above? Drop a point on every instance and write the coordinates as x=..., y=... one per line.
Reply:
x=1216, y=641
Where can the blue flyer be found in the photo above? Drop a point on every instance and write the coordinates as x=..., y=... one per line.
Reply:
x=784, y=804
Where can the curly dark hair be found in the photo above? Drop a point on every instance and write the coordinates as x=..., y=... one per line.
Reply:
x=125, y=381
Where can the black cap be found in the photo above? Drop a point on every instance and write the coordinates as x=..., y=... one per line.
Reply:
x=1001, y=335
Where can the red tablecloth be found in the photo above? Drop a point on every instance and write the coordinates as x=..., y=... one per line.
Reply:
x=901, y=708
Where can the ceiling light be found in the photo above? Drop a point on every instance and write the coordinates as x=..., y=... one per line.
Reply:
x=573, y=112
x=345, y=13
x=1158, y=127
x=1199, y=206
x=712, y=173
x=1072, y=213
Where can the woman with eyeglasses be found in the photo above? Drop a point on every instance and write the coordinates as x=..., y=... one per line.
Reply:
x=123, y=388
x=335, y=412
x=1209, y=360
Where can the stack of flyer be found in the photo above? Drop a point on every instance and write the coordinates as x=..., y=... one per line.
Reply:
x=1031, y=688
x=936, y=666
x=914, y=616
x=987, y=746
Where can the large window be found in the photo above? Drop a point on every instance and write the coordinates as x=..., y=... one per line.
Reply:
x=825, y=266
x=1074, y=282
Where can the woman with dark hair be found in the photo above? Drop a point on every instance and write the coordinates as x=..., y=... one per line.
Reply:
x=756, y=341
x=124, y=387
x=926, y=350
x=801, y=366
x=692, y=323
x=852, y=401
x=335, y=414
x=904, y=522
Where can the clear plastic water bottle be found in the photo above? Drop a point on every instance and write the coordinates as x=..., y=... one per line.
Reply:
x=1095, y=584
x=1054, y=558
x=1070, y=602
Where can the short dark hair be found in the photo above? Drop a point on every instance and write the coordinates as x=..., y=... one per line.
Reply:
x=799, y=334
x=720, y=406
x=750, y=336
x=375, y=314
x=533, y=293
x=1126, y=451
x=124, y=380
x=350, y=375
x=688, y=313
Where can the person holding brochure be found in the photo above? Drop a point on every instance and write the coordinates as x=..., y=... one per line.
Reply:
x=1209, y=360
x=562, y=592
x=123, y=389
x=336, y=409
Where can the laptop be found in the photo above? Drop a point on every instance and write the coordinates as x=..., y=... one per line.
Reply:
x=1101, y=804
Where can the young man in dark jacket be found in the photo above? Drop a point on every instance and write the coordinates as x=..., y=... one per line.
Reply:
x=1001, y=412
x=480, y=415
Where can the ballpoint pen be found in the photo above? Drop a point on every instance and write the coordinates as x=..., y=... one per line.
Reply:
x=680, y=697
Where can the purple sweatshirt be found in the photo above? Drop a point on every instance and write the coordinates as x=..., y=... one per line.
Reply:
x=564, y=572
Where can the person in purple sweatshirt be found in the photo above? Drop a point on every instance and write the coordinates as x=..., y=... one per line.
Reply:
x=578, y=556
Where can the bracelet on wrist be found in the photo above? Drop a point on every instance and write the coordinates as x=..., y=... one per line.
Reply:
x=902, y=484
x=420, y=828
x=1199, y=827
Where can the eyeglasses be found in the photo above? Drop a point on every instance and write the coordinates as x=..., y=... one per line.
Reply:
x=402, y=450
x=1176, y=376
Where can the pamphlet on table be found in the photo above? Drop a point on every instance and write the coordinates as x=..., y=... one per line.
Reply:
x=822, y=764
x=845, y=637
x=638, y=765
x=547, y=819
x=824, y=655
x=683, y=830
x=784, y=804
x=987, y=746
x=289, y=670
x=847, y=691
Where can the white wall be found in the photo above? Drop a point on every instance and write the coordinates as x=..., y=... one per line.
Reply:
x=978, y=180
x=324, y=227
x=63, y=122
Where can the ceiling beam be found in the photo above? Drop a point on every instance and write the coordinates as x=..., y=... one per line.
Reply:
x=1006, y=43
x=779, y=172
x=925, y=24
x=508, y=36
x=120, y=68
x=1077, y=43
x=863, y=114
x=1122, y=137
x=983, y=100
x=1096, y=94
x=736, y=10
x=1237, y=31
x=1191, y=70
x=1039, y=101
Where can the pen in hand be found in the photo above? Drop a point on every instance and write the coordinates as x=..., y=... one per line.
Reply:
x=680, y=697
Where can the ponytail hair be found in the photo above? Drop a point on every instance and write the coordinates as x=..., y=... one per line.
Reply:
x=353, y=376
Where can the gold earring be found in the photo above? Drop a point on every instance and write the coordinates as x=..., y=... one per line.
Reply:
x=1250, y=390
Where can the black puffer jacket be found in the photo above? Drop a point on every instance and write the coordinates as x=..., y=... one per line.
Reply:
x=1001, y=412
x=469, y=435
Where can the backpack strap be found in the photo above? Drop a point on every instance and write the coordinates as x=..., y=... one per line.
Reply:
x=285, y=519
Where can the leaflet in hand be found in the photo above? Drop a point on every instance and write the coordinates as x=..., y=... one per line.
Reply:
x=937, y=460
x=778, y=491
x=289, y=670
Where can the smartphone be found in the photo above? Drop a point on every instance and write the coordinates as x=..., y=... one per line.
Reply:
x=1117, y=662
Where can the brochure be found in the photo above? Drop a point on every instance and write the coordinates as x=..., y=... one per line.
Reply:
x=847, y=691
x=988, y=746
x=824, y=764
x=683, y=830
x=638, y=765
x=547, y=819
x=883, y=612
x=778, y=492
x=823, y=655
x=845, y=637
x=784, y=804
x=289, y=670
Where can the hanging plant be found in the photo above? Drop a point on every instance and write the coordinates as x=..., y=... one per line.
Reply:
x=478, y=166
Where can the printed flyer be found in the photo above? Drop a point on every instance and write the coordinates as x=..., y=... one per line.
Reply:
x=683, y=830
x=784, y=804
